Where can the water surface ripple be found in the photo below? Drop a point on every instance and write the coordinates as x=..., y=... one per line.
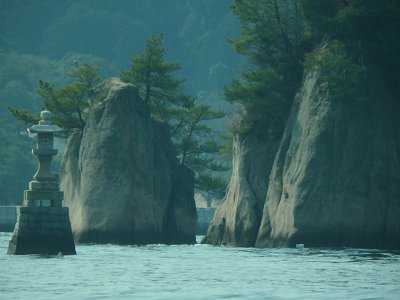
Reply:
x=200, y=272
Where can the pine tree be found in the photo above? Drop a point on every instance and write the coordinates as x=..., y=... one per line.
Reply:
x=368, y=30
x=68, y=103
x=272, y=39
x=193, y=139
x=197, y=146
x=155, y=79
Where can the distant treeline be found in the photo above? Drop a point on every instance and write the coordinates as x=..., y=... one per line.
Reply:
x=44, y=40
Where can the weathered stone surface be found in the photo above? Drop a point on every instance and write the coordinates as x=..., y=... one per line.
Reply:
x=43, y=226
x=237, y=219
x=120, y=178
x=336, y=177
x=43, y=194
x=45, y=185
x=335, y=180
x=42, y=230
x=181, y=215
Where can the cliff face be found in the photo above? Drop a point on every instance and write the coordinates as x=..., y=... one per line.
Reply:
x=120, y=178
x=335, y=180
x=336, y=176
x=237, y=220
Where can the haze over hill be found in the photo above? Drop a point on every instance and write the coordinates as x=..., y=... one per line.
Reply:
x=45, y=39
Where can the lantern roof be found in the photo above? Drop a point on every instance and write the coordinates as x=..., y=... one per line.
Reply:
x=45, y=124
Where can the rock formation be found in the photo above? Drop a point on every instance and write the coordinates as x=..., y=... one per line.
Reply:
x=335, y=180
x=120, y=178
x=336, y=176
x=237, y=218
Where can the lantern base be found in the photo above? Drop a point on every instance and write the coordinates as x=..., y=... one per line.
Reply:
x=42, y=230
x=44, y=193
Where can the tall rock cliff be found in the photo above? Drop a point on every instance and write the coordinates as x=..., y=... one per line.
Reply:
x=237, y=220
x=335, y=179
x=336, y=176
x=120, y=178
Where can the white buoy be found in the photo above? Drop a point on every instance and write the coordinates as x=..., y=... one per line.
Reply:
x=299, y=246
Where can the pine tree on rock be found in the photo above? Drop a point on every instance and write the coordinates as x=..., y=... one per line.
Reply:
x=273, y=41
x=186, y=119
x=69, y=103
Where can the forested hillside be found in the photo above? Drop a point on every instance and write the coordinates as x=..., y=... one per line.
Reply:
x=44, y=40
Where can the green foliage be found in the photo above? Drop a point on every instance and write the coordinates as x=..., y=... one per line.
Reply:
x=271, y=30
x=19, y=75
x=207, y=182
x=272, y=38
x=196, y=143
x=68, y=103
x=17, y=163
x=186, y=119
x=155, y=79
x=52, y=34
x=198, y=146
x=18, y=79
x=25, y=116
x=359, y=38
x=375, y=26
x=320, y=17
x=262, y=105
x=368, y=29
x=341, y=77
x=114, y=30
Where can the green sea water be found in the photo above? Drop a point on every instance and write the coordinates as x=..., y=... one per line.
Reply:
x=200, y=272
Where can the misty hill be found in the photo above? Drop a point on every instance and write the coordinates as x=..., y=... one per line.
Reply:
x=46, y=39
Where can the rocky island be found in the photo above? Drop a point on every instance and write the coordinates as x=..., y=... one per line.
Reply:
x=334, y=180
x=121, y=180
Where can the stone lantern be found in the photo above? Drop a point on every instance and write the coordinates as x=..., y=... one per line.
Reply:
x=43, y=225
x=44, y=190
